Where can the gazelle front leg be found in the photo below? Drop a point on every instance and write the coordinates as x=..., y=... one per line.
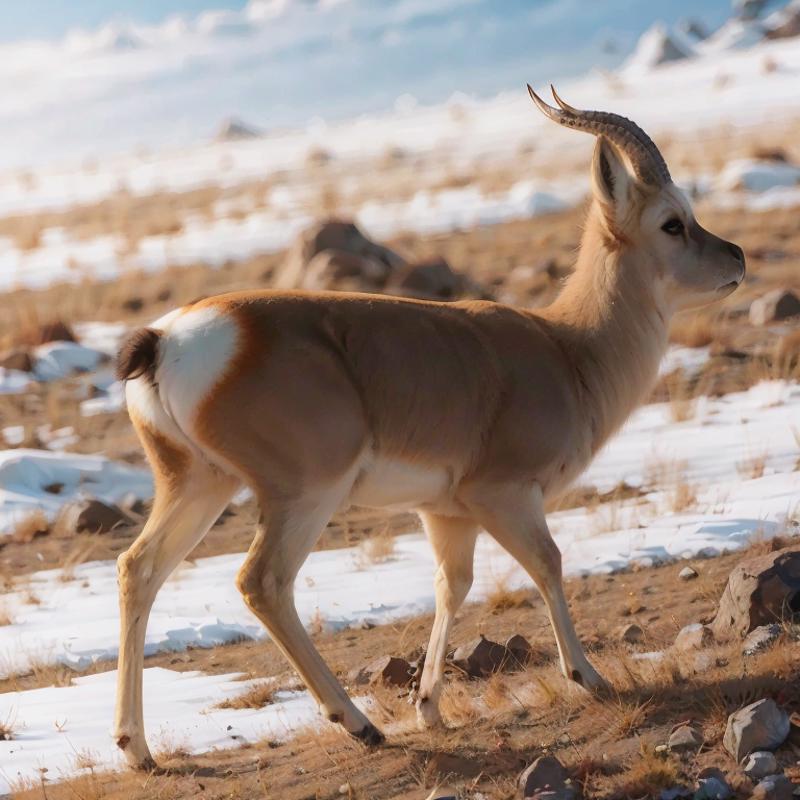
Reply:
x=453, y=542
x=514, y=515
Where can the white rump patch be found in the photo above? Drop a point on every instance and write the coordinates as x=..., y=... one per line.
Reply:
x=195, y=353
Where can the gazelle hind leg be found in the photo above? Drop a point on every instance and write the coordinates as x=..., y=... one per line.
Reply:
x=453, y=542
x=287, y=532
x=514, y=516
x=183, y=511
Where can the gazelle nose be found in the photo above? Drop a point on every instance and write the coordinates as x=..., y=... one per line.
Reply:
x=738, y=254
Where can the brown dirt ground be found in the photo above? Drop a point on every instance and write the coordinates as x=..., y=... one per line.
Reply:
x=495, y=726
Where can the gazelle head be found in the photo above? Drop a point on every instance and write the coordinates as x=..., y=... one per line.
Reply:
x=641, y=212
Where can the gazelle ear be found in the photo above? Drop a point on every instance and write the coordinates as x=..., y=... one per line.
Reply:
x=613, y=184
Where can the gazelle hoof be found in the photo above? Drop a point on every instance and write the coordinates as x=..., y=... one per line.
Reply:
x=370, y=736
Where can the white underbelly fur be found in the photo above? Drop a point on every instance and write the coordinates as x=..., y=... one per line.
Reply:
x=390, y=483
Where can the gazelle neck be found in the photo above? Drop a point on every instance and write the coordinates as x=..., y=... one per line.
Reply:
x=614, y=327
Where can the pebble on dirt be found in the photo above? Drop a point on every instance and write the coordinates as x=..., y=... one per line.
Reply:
x=688, y=574
x=760, y=764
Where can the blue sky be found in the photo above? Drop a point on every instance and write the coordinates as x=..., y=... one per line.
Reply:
x=49, y=19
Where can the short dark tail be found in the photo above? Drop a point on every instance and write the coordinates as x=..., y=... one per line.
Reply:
x=138, y=355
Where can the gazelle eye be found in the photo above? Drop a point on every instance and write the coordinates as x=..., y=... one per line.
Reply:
x=674, y=227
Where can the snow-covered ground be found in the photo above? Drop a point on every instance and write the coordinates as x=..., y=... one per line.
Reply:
x=66, y=730
x=75, y=623
x=33, y=480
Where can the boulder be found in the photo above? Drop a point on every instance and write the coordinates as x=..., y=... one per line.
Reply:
x=774, y=306
x=90, y=516
x=761, y=638
x=56, y=331
x=760, y=764
x=773, y=787
x=685, y=737
x=760, y=591
x=428, y=280
x=481, y=657
x=760, y=726
x=342, y=238
x=338, y=269
x=694, y=637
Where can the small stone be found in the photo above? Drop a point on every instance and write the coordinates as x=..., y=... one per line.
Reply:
x=442, y=793
x=344, y=788
x=773, y=787
x=759, y=726
x=546, y=773
x=694, y=637
x=761, y=638
x=675, y=793
x=760, y=764
x=481, y=657
x=631, y=634
x=688, y=574
x=774, y=306
x=712, y=785
x=19, y=359
x=392, y=671
x=661, y=748
x=90, y=516
x=686, y=737
x=520, y=650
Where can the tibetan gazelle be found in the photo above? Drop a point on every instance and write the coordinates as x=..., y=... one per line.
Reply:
x=473, y=413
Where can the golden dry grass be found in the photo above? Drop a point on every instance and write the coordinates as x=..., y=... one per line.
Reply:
x=27, y=528
x=257, y=696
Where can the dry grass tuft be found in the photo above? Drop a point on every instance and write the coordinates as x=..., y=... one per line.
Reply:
x=257, y=696
x=697, y=330
x=30, y=526
x=682, y=497
x=752, y=467
x=649, y=774
x=8, y=728
x=375, y=549
x=5, y=616
x=502, y=597
x=682, y=396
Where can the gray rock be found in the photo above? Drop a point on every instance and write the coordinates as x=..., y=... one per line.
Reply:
x=712, y=785
x=773, y=787
x=694, y=637
x=760, y=764
x=686, y=737
x=675, y=793
x=91, y=516
x=688, y=574
x=759, y=592
x=631, y=634
x=546, y=774
x=481, y=657
x=774, y=306
x=520, y=651
x=387, y=670
x=759, y=726
x=761, y=638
